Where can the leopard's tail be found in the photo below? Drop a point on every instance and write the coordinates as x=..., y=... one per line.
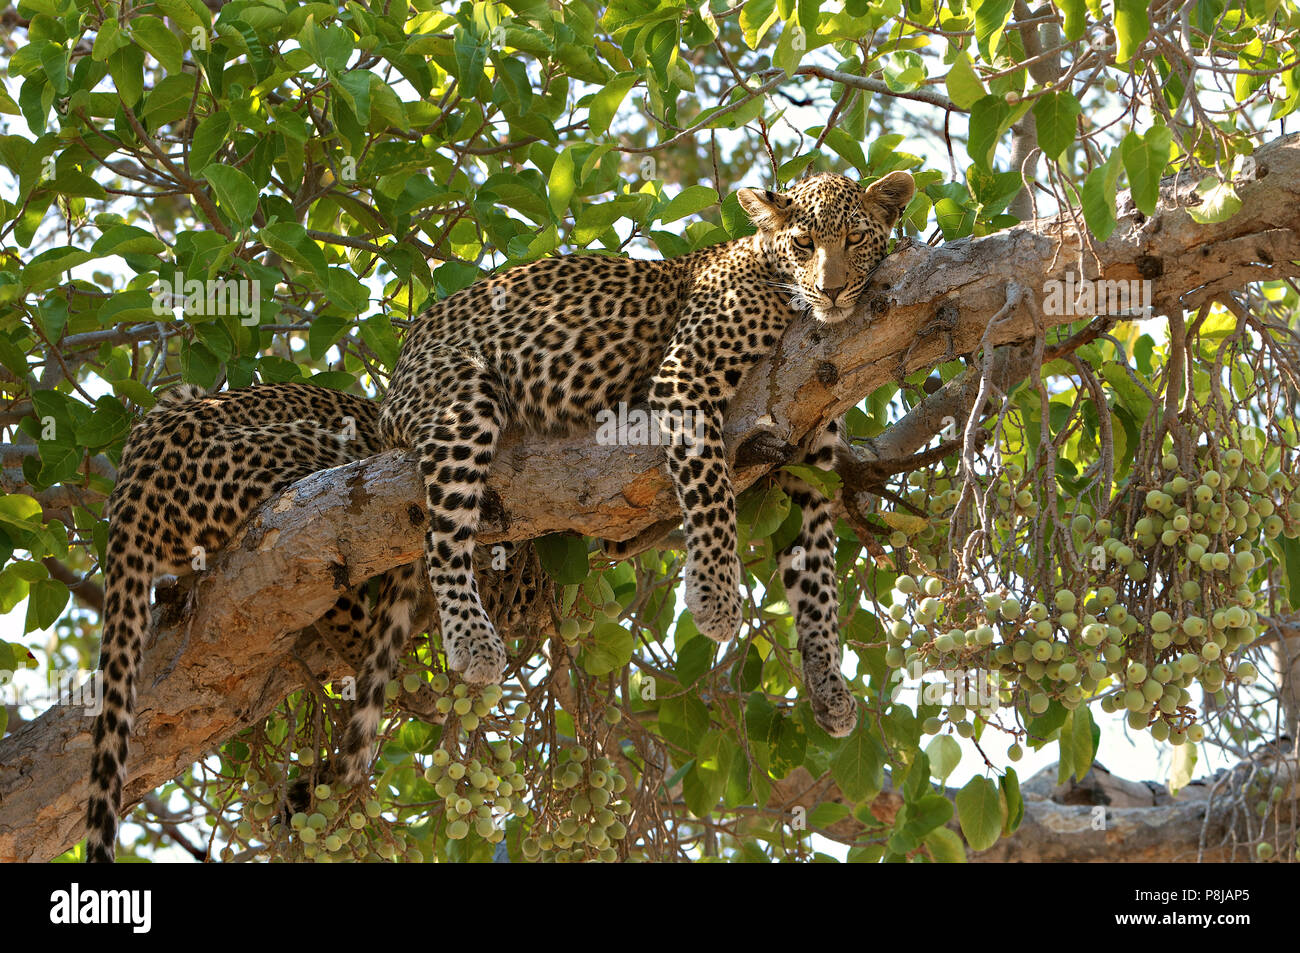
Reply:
x=390, y=624
x=126, y=617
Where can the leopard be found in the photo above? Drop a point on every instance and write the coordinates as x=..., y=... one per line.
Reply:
x=546, y=345
x=191, y=471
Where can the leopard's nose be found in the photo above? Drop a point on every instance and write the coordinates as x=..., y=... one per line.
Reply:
x=832, y=293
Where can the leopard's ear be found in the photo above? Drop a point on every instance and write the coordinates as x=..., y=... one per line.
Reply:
x=890, y=195
x=767, y=210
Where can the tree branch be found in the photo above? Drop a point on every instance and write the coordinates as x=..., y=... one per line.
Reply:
x=1101, y=819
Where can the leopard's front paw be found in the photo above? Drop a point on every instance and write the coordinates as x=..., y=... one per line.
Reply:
x=475, y=651
x=715, y=608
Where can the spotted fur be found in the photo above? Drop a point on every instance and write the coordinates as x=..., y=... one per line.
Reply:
x=549, y=344
x=192, y=470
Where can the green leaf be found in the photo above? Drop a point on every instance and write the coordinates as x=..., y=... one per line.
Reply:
x=184, y=15
x=1047, y=725
x=1131, y=29
x=904, y=71
x=609, y=650
x=790, y=48
x=236, y=194
x=1099, y=197
x=355, y=91
x=945, y=754
x=694, y=659
x=130, y=389
x=789, y=746
x=751, y=110
x=562, y=183
x=848, y=148
x=945, y=846
x=7, y=104
x=704, y=785
x=45, y=270
x=209, y=135
x=756, y=18
x=325, y=331
x=689, y=201
x=764, y=510
x=605, y=103
x=659, y=45
x=72, y=182
x=126, y=66
x=60, y=460
x=45, y=602
x=1145, y=158
x=926, y=814
x=564, y=557
x=827, y=813
x=1075, y=13
x=858, y=767
x=1219, y=202
x=1129, y=394
x=108, y=40
x=759, y=716
x=991, y=18
x=1056, y=117
x=329, y=47
x=169, y=100
x=378, y=334
x=1079, y=725
x=107, y=425
x=471, y=55
x=153, y=35
x=1010, y=785
x=683, y=721
x=1289, y=555
x=291, y=241
x=592, y=221
x=514, y=75
x=198, y=364
x=785, y=534
x=979, y=809
x=964, y=85
x=20, y=511
x=989, y=118
x=128, y=240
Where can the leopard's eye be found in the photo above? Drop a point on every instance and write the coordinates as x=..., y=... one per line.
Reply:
x=856, y=238
x=802, y=243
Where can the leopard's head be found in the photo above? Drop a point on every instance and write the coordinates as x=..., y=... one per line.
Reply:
x=826, y=235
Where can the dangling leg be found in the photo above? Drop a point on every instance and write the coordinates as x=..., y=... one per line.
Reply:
x=697, y=464
x=456, y=439
x=808, y=573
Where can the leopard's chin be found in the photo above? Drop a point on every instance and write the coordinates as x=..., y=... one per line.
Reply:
x=831, y=315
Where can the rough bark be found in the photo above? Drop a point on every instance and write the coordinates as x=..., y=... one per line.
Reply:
x=226, y=664
x=1101, y=819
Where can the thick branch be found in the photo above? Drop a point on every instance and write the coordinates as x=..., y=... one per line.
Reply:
x=1101, y=819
